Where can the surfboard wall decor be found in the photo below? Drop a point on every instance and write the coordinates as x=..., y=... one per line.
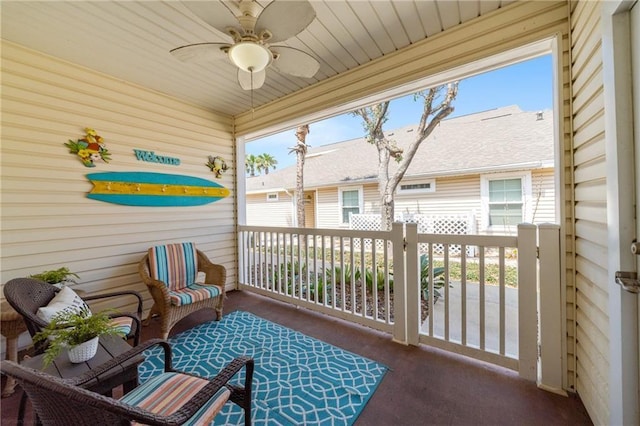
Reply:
x=154, y=189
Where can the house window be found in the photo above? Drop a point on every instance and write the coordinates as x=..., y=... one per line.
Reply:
x=505, y=200
x=272, y=196
x=350, y=202
x=417, y=187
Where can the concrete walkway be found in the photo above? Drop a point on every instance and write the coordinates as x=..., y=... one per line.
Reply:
x=492, y=316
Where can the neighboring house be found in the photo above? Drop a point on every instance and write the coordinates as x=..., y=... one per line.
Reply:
x=508, y=178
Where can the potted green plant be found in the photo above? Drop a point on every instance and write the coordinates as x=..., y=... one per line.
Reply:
x=56, y=277
x=78, y=332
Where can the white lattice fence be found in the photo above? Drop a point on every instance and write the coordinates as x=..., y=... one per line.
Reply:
x=443, y=224
x=446, y=224
x=366, y=222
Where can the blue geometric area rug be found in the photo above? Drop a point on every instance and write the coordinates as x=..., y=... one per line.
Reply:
x=298, y=380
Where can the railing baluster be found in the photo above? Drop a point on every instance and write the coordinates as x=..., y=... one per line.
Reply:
x=353, y=275
x=269, y=269
x=342, y=276
x=247, y=260
x=256, y=256
x=447, y=278
x=374, y=277
x=323, y=275
x=463, y=299
x=431, y=287
x=289, y=267
x=385, y=259
x=502, y=301
x=256, y=265
x=309, y=283
x=297, y=264
x=363, y=280
x=482, y=297
x=277, y=279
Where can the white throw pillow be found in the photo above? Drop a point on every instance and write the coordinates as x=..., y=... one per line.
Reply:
x=66, y=299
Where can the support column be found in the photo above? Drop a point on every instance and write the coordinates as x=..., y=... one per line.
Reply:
x=527, y=301
x=550, y=364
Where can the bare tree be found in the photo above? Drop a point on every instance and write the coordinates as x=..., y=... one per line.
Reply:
x=437, y=106
x=301, y=151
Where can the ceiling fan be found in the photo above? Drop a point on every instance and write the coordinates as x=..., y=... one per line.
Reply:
x=252, y=30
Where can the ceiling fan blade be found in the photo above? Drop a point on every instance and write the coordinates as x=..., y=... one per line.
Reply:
x=219, y=14
x=200, y=52
x=244, y=78
x=285, y=19
x=294, y=62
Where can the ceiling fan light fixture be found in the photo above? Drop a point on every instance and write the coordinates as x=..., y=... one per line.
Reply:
x=250, y=56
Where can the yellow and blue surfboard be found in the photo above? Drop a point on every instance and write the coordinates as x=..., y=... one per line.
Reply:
x=154, y=189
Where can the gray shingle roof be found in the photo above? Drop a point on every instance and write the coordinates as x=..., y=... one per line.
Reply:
x=495, y=139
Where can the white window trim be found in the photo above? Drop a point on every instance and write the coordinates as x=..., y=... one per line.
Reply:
x=527, y=208
x=360, y=201
x=431, y=182
x=272, y=200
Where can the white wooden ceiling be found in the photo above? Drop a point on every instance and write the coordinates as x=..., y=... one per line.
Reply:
x=130, y=40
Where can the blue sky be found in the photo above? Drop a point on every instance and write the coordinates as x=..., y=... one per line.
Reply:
x=527, y=84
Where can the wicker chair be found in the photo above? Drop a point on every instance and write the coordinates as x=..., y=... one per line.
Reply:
x=65, y=402
x=175, y=293
x=26, y=295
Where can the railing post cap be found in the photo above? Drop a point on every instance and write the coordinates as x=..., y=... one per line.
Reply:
x=548, y=226
x=526, y=226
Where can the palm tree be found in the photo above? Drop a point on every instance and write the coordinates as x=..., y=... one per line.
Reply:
x=301, y=152
x=259, y=164
x=267, y=162
x=250, y=163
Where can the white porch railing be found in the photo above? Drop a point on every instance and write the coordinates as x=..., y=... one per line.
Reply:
x=322, y=269
x=356, y=276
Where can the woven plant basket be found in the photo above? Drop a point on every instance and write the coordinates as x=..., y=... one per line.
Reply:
x=84, y=351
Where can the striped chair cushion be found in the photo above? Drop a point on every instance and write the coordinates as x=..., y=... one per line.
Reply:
x=193, y=293
x=124, y=324
x=167, y=393
x=176, y=265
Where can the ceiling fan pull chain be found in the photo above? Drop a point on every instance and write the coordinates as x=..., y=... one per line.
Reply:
x=251, y=71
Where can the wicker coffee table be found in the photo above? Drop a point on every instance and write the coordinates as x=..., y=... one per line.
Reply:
x=109, y=348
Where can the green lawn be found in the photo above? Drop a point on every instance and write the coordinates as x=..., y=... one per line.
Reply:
x=491, y=272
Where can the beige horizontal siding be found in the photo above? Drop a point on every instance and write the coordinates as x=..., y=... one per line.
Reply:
x=327, y=209
x=543, y=194
x=590, y=207
x=371, y=198
x=261, y=212
x=453, y=196
x=47, y=220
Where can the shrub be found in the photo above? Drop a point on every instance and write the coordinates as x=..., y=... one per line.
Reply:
x=438, y=279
